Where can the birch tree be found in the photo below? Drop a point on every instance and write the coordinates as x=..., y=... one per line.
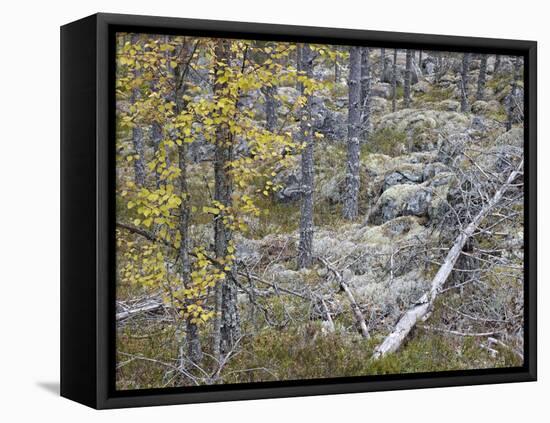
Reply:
x=194, y=349
x=137, y=131
x=227, y=319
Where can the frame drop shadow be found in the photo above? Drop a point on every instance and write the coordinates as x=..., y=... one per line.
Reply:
x=50, y=387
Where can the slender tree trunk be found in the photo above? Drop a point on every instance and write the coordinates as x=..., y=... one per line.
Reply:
x=513, y=93
x=194, y=350
x=156, y=138
x=305, y=248
x=480, y=95
x=350, y=208
x=365, y=102
x=464, y=105
x=407, y=83
x=420, y=59
x=226, y=324
x=137, y=132
x=394, y=82
x=336, y=66
x=192, y=340
x=269, y=93
x=383, y=66
x=497, y=64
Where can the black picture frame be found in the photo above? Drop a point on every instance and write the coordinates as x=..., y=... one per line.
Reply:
x=88, y=225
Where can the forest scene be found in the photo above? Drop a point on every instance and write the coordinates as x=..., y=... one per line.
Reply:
x=290, y=211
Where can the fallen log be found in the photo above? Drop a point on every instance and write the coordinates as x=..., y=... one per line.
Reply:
x=420, y=310
x=146, y=308
x=353, y=304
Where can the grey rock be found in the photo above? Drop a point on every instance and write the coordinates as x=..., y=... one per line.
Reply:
x=449, y=105
x=452, y=146
x=421, y=87
x=401, y=200
x=406, y=174
x=513, y=137
x=379, y=105
x=433, y=169
x=382, y=89
x=292, y=189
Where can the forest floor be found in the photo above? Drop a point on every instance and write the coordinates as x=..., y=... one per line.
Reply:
x=284, y=334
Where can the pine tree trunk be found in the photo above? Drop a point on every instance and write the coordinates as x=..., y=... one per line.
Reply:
x=497, y=64
x=394, y=82
x=269, y=93
x=336, y=66
x=156, y=138
x=226, y=325
x=407, y=83
x=464, y=105
x=480, y=95
x=305, y=248
x=513, y=93
x=383, y=65
x=365, y=102
x=350, y=208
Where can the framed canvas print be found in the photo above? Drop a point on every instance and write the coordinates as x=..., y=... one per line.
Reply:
x=255, y=211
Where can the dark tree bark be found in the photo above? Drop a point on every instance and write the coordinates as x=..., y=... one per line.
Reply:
x=156, y=138
x=464, y=105
x=350, y=208
x=226, y=325
x=194, y=349
x=137, y=132
x=365, y=102
x=480, y=95
x=497, y=64
x=336, y=66
x=394, y=81
x=305, y=248
x=407, y=83
x=269, y=93
x=383, y=65
x=512, y=97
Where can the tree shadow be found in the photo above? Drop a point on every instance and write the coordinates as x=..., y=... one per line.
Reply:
x=51, y=387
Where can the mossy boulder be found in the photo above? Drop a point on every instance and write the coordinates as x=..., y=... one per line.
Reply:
x=381, y=89
x=449, y=105
x=401, y=200
x=409, y=173
x=421, y=87
x=514, y=137
x=423, y=127
x=426, y=200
